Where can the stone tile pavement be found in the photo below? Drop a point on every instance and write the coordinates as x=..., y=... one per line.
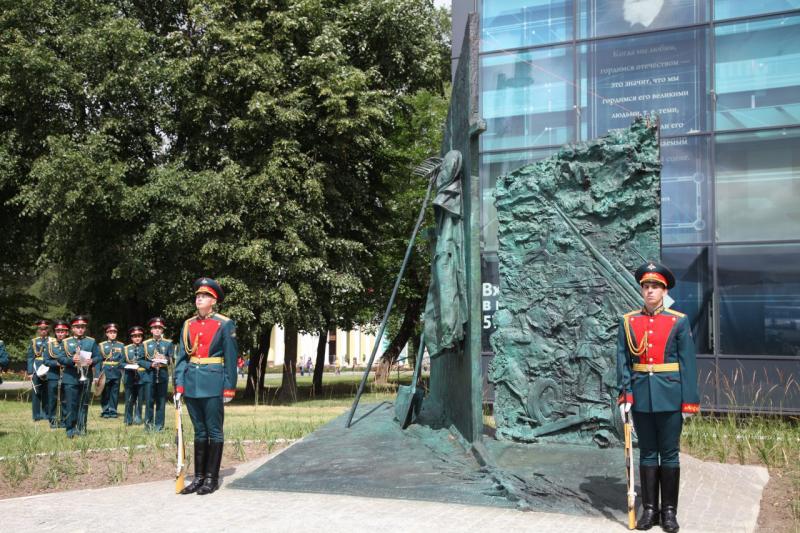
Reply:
x=714, y=497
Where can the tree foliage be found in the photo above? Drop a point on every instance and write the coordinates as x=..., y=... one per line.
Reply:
x=265, y=143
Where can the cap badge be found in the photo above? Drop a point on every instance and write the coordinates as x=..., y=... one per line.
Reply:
x=651, y=266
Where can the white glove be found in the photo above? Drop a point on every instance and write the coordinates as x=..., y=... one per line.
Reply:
x=624, y=408
x=687, y=415
x=226, y=399
x=177, y=396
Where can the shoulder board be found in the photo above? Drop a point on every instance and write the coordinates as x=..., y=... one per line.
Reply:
x=128, y=345
x=148, y=341
x=674, y=312
x=630, y=314
x=53, y=342
x=223, y=318
x=90, y=338
x=166, y=340
x=69, y=338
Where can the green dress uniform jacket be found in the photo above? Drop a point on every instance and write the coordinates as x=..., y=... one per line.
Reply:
x=76, y=393
x=71, y=345
x=112, y=360
x=35, y=355
x=203, y=368
x=166, y=349
x=55, y=392
x=3, y=356
x=662, y=376
x=134, y=393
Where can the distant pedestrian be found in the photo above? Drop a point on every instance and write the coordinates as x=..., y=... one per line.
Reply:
x=240, y=366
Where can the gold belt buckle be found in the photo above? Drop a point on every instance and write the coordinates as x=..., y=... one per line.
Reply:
x=650, y=368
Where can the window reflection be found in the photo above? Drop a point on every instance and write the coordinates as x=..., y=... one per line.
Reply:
x=724, y=9
x=515, y=23
x=692, y=291
x=758, y=185
x=759, y=288
x=609, y=17
x=685, y=176
x=758, y=73
x=527, y=98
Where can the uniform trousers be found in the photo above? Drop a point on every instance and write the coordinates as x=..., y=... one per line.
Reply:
x=39, y=398
x=110, y=397
x=208, y=415
x=659, y=438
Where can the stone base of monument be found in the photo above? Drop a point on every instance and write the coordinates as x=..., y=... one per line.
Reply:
x=375, y=458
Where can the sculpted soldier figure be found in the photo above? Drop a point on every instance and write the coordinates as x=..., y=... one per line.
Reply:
x=35, y=355
x=657, y=372
x=205, y=375
x=81, y=354
x=132, y=357
x=158, y=351
x=55, y=391
x=111, y=350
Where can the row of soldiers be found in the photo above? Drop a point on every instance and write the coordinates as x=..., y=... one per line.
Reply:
x=64, y=368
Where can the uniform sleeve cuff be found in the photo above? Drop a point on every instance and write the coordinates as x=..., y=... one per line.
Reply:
x=625, y=398
x=229, y=393
x=179, y=389
x=690, y=408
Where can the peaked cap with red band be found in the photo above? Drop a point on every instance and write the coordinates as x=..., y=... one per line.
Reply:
x=209, y=286
x=135, y=329
x=78, y=320
x=42, y=323
x=156, y=321
x=652, y=271
x=110, y=325
x=60, y=324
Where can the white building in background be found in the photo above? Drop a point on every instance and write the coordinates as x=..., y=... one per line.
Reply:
x=342, y=349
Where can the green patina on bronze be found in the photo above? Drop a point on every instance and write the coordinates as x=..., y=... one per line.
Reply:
x=571, y=229
x=452, y=315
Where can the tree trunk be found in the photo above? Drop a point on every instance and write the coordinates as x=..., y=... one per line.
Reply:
x=319, y=365
x=258, y=365
x=288, y=392
x=407, y=328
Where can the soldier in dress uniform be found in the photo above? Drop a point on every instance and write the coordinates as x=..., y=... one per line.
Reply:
x=657, y=372
x=55, y=392
x=205, y=374
x=36, y=350
x=111, y=351
x=81, y=355
x=132, y=358
x=157, y=349
x=4, y=361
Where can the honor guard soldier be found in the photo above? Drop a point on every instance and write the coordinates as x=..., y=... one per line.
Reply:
x=159, y=352
x=81, y=355
x=55, y=392
x=4, y=361
x=657, y=371
x=36, y=350
x=205, y=374
x=111, y=367
x=132, y=357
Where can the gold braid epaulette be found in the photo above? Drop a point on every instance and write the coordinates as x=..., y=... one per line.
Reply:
x=188, y=348
x=634, y=349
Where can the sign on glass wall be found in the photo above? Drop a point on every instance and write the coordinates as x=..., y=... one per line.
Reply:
x=663, y=74
x=612, y=17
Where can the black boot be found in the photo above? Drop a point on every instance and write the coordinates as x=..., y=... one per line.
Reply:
x=212, y=472
x=670, y=484
x=200, y=462
x=648, y=476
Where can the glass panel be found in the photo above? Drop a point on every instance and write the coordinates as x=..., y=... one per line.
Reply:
x=707, y=381
x=759, y=294
x=692, y=291
x=528, y=99
x=725, y=9
x=518, y=23
x=609, y=17
x=759, y=384
x=758, y=185
x=663, y=74
x=492, y=167
x=685, y=198
x=757, y=73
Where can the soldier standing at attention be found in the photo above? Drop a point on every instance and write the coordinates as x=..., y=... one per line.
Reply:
x=111, y=351
x=205, y=373
x=4, y=361
x=54, y=353
x=132, y=357
x=81, y=355
x=36, y=350
x=657, y=372
x=158, y=351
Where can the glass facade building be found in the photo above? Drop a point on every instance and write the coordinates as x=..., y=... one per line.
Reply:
x=724, y=77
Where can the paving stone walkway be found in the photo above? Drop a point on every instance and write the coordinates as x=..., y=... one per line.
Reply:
x=714, y=497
